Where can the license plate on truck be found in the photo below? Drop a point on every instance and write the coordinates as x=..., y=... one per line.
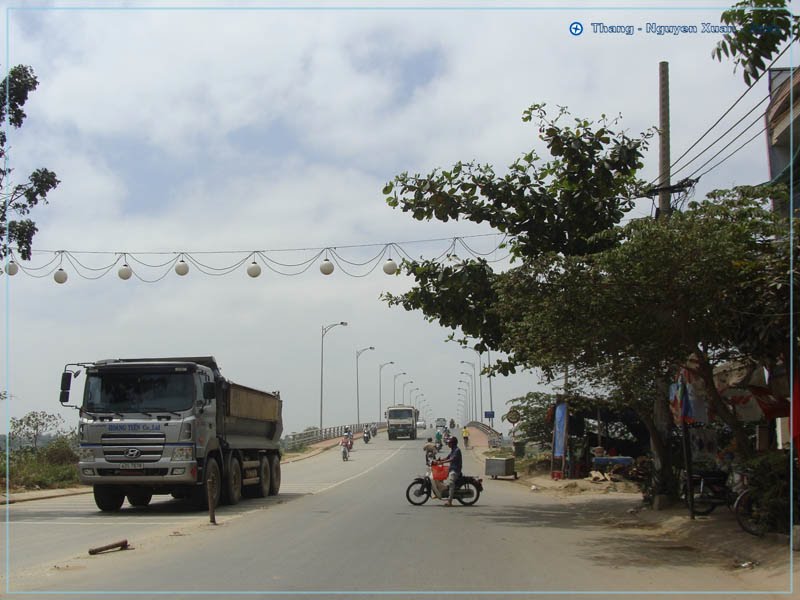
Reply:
x=132, y=466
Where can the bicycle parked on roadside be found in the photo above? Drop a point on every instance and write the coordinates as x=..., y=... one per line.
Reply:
x=751, y=515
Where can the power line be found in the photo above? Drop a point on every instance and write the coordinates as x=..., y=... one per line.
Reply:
x=727, y=131
x=729, y=155
x=725, y=114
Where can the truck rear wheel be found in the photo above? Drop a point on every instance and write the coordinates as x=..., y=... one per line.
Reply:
x=275, y=472
x=261, y=489
x=232, y=492
x=140, y=498
x=108, y=498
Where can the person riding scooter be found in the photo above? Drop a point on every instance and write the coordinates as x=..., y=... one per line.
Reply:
x=430, y=451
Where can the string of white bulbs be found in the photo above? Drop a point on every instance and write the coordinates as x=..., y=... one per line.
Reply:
x=131, y=264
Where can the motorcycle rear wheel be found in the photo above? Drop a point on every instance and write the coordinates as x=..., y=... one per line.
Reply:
x=417, y=493
x=468, y=485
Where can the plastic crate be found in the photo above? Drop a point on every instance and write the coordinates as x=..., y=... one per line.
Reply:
x=440, y=472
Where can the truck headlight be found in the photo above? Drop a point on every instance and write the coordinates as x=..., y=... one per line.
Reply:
x=183, y=453
x=86, y=454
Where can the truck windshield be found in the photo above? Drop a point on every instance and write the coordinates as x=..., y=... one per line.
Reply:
x=400, y=414
x=130, y=392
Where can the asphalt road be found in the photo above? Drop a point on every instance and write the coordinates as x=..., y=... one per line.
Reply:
x=346, y=527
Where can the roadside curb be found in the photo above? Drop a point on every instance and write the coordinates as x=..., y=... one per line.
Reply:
x=49, y=494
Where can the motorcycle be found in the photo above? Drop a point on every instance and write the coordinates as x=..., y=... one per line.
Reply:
x=374, y=431
x=468, y=490
x=366, y=436
x=345, y=450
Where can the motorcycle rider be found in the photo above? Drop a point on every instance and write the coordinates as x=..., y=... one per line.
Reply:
x=345, y=446
x=366, y=434
x=430, y=451
x=454, y=459
x=438, y=439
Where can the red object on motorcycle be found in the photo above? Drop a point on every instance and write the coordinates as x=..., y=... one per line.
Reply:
x=440, y=472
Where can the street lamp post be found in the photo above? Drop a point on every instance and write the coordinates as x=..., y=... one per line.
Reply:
x=472, y=394
x=475, y=380
x=358, y=401
x=466, y=401
x=403, y=394
x=325, y=329
x=394, y=388
x=380, y=387
x=411, y=391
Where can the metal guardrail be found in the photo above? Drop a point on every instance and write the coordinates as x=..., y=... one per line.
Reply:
x=312, y=436
x=492, y=435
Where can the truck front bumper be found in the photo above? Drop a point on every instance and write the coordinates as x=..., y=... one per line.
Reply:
x=162, y=472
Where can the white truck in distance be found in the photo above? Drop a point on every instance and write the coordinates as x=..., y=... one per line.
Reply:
x=174, y=426
x=401, y=421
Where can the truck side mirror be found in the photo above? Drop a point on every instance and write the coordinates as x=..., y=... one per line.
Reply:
x=209, y=390
x=66, y=382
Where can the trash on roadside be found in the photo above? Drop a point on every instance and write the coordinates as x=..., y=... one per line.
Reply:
x=534, y=488
x=747, y=564
x=122, y=545
x=632, y=511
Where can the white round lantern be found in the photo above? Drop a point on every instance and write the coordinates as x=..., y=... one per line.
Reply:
x=181, y=268
x=254, y=270
x=60, y=275
x=390, y=267
x=125, y=271
x=12, y=268
x=326, y=267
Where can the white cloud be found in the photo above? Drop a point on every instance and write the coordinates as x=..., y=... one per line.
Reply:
x=221, y=130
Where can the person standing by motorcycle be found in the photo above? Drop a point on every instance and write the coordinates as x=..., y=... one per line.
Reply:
x=465, y=436
x=454, y=459
x=438, y=439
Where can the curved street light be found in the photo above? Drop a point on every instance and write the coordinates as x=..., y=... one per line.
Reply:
x=475, y=380
x=394, y=387
x=411, y=391
x=325, y=329
x=474, y=394
x=358, y=401
x=403, y=394
x=380, y=387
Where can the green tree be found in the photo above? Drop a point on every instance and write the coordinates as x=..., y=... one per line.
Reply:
x=28, y=430
x=762, y=28
x=16, y=228
x=555, y=206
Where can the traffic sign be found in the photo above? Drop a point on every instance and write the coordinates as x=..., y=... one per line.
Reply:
x=488, y=414
x=513, y=416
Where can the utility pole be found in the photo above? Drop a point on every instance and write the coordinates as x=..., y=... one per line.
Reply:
x=664, y=194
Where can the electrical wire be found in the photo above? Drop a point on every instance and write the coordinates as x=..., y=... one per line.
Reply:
x=729, y=155
x=725, y=114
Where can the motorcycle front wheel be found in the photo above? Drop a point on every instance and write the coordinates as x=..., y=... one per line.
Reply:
x=468, y=486
x=417, y=493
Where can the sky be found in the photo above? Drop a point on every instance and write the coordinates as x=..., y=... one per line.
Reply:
x=222, y=129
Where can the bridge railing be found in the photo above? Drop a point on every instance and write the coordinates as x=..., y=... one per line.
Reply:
x=293, y=441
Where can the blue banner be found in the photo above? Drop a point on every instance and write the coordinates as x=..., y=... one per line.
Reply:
x=560, y=431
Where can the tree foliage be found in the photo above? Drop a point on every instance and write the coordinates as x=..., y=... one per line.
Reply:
x=29, y=429
x=19, y=200
x=762, y=28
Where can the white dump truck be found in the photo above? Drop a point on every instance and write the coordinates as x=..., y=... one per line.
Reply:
x=401, y=421
x=174, y=426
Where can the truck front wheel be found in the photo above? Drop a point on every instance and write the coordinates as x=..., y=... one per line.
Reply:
x=200, y=494
x=108, y=498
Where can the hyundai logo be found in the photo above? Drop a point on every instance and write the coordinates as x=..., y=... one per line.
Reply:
x=133, y=453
